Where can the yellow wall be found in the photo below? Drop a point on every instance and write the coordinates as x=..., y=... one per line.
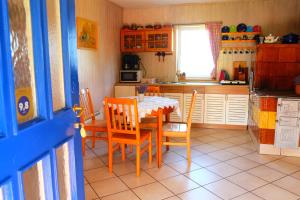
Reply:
x=98, y=70
x=275, y=16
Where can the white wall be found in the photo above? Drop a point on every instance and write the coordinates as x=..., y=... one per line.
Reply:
x=98, y=70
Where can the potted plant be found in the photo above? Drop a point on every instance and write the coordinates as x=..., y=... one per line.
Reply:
x=141, y=91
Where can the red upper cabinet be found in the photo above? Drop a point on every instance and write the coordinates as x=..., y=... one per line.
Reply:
x=276, y=66
x=298, y=54
x=287, y=54
x=132, y=41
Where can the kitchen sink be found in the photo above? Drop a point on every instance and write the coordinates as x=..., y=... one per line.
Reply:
x=172, y=82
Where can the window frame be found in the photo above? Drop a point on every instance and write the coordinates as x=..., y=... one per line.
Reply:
x=178, y=53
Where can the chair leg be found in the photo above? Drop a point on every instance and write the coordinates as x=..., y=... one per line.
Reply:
x=160, y=151
x=123, y=152
x=93, y=139
x=138, y=159
x=167, y=146
x=110, y=156
x=150, y=149
x=83, y=146
x=131, y=148
x=188, y=150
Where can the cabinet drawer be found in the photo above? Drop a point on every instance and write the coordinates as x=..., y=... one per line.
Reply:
x=190, y=89
x=172, y=89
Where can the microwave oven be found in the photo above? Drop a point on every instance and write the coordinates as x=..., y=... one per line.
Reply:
x=130, y=76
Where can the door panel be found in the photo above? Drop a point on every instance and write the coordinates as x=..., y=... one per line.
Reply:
x=55, y=53
x=237, y=109
x=34, y=152
x=5, y=191
x=22, y=59
x=215, y=109
x=62, y=158
x=33, y=182
x=198, y=113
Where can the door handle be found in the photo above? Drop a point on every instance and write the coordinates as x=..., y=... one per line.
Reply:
x=78, y=111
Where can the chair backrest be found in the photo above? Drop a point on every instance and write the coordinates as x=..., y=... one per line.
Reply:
x=189, y=119
x=87, y=104
x=153, y=91
x=122, y=116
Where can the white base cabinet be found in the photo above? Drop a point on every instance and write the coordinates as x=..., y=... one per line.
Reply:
x=237, y=109
x=124, y=91
x=226, y=109
x=215, y=106
x=198, y=116
x=179, y=97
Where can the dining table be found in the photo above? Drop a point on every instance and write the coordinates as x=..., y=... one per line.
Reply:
x=156, y=106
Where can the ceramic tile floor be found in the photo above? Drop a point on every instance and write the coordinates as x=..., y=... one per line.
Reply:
x=224, y=165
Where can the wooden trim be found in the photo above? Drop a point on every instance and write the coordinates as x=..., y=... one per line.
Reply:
x=201, y=89
x=228, y=89
x=278, y=45
x=220, y=126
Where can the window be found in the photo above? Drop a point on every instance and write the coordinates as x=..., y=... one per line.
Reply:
x=194, y=56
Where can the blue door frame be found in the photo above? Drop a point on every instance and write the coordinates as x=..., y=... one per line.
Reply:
x=21, y=146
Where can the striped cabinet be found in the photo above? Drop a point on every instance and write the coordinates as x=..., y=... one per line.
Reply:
x=237, y=109
x=198, y=113
x=215, y=106
x=179, y=97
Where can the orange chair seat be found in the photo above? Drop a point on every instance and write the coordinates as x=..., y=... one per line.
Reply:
x=124, y=138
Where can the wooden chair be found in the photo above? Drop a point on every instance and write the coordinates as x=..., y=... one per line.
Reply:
x=179, y=130
x=126, y=133
x=89, y=120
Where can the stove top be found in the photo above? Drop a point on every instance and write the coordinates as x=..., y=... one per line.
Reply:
x=227, y=82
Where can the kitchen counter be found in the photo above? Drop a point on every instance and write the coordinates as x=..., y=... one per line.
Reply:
x=277, y=94
x=167, y=83
x=201, y=87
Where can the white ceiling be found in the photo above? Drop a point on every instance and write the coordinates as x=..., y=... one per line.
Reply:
x=147, y=3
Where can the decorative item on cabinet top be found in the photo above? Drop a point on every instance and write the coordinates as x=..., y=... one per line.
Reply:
x=157, y=39
x=240, y=33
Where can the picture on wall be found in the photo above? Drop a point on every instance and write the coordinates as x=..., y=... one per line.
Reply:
x=87, y=34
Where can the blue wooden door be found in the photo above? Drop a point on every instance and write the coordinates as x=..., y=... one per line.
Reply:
x=40, y=151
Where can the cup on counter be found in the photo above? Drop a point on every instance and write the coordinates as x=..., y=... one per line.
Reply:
x=261, y=40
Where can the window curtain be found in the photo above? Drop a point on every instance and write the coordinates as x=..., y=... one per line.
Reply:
x=214, y=29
